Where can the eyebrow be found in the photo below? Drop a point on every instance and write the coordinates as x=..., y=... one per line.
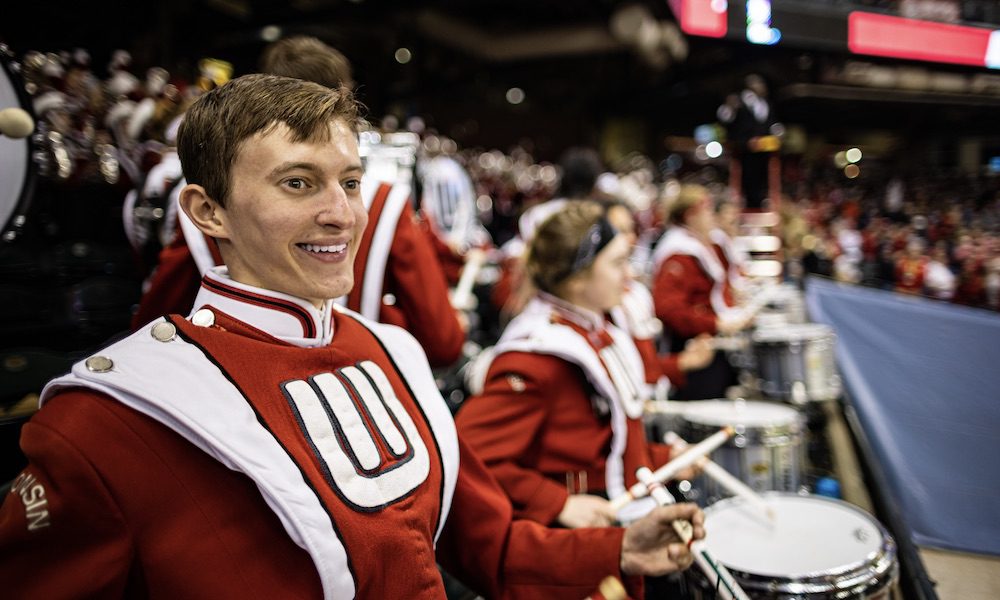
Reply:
x=308, y=166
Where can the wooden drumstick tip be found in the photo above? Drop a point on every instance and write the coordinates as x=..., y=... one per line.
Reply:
x=729, y=429
x=612, y=589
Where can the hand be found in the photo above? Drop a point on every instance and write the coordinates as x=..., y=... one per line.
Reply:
x=697, y=354
x=733, y=323
x=585, y=510
x=463, y=320
x=652, y=547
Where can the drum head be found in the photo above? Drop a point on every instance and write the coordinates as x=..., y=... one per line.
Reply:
x=810, y=535
x=17, y=170
x=635, y=510
x=757, y=415
x=792, y=332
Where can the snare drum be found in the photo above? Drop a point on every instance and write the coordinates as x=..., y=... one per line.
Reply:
x=17, y=169
x=635, y=510
x=795, y=362
x=766, y=452
x=816, y=548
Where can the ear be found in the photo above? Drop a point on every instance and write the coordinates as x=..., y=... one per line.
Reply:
x=207, y=214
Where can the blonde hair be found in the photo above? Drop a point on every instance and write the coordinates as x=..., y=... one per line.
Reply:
x=690, y=195
x=556, y=243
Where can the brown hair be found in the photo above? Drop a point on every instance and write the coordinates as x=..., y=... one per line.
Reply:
x=306, y=57
x=556, y=243
x=220, y=121
x=690, y=195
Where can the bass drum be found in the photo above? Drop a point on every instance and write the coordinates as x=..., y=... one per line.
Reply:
x=17, y=168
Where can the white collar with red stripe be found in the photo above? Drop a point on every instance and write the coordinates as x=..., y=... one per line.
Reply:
x=585, y=318
x=285, y=317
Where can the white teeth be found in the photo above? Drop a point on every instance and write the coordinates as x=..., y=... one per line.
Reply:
x=315, y=248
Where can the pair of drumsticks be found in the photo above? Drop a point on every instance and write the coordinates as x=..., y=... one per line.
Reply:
x=651, y=484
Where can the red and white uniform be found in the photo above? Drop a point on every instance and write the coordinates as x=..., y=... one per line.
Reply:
x=268, y=449
x=395, y=259
x=691, y=286
x=635, y=315
x=561, y=410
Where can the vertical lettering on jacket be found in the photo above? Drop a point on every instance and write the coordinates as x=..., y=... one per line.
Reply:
x=36, y=505
x=367, y=444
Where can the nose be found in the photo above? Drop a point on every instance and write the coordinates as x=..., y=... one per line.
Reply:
x=336, y=209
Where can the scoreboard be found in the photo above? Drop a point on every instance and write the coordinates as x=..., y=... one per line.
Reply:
x=818, y=25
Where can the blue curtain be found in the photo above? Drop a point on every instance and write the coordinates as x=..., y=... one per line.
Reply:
x=924, y=379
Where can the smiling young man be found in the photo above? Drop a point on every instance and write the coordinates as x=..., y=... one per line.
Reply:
x=399, y=263
x=273, y=445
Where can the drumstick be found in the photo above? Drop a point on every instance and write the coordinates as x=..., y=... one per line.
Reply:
x=462, y=295
x=728, y=343
x=718, y=575
x=659, y=493
x=722, y=476
x=671, y=468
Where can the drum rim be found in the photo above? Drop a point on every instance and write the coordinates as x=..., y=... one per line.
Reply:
x=770, y=335
x=756, y=434
x=28, y=189
x=877, y=571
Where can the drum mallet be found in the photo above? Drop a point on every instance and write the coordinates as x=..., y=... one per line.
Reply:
x=718, y=575
x=670, y=469
x=722, y=476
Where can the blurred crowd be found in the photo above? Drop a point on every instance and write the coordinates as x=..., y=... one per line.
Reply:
x=937, y=238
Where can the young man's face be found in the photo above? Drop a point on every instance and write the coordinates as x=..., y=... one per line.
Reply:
x=295, y=216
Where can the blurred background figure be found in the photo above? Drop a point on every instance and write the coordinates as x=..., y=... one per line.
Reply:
x=753, y=131
x=693, y=289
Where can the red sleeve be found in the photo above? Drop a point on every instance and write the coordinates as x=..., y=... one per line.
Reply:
x=676, y=297
x=670, y=365
x=451, y=262
x=60, y=514
x=514, y=559
x=504, y=424
x=414, y=276
x=659, y=454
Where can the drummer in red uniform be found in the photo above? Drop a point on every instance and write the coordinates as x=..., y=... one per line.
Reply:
x=692, y=289
x=273, y=444
x=559, y=421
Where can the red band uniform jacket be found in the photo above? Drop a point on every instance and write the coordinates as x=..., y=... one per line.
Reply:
x=264, y=448
x=561, y=409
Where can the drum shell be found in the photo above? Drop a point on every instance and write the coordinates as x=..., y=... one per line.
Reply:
x=766, y=454
x=797, y=355
x=870, y=575
x=18, y=171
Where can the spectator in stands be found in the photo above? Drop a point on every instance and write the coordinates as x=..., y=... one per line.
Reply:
x=939, y=280
x=911, y=268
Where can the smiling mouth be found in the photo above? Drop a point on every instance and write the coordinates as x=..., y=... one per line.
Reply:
x=316, y=249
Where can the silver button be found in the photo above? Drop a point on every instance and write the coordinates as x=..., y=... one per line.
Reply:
x=164, y=332
x=99, y=364
x=203, y=318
